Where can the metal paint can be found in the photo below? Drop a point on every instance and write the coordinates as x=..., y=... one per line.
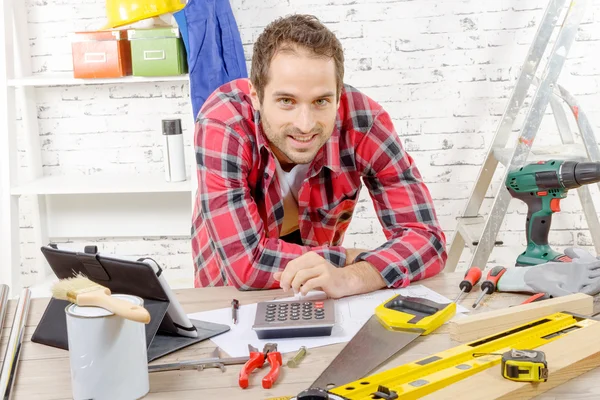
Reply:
x=108, y=354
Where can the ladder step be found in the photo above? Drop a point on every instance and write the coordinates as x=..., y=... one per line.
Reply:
x=572, y=152
x=471, y=228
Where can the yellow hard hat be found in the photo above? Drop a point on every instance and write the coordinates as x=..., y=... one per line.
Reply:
x=125, y=12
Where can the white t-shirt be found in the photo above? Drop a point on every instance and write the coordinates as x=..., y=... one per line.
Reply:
x=290, y=183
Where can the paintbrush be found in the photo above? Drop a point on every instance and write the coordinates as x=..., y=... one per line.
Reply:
x=84, y=292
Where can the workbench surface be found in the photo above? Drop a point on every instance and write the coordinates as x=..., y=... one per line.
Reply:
x=44, y=373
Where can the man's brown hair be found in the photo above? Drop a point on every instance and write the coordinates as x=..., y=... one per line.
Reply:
x=285, y=33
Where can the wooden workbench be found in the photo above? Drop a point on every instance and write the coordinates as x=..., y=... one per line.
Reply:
x=44, y=371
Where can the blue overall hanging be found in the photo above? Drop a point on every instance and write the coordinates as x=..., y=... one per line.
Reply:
x=214, y=47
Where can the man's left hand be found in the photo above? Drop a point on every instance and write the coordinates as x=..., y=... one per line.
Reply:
x=310, y=271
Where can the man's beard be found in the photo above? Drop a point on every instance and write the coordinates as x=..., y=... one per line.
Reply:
x=279, y=142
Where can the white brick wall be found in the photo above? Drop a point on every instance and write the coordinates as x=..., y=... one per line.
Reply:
x=443, y=69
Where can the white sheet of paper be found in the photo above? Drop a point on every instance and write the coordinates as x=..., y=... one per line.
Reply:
x=351, y=313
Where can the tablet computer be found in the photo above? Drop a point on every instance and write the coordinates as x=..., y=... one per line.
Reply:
x=180, y=321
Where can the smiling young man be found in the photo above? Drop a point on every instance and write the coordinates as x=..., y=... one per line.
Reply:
x=280, y=160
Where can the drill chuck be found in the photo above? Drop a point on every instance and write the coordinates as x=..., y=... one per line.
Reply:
x=576, y=174
x=570, y=175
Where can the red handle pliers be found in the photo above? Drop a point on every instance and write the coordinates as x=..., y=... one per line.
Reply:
x=257, y=360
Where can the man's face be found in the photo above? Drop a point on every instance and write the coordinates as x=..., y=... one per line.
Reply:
x=299, y=107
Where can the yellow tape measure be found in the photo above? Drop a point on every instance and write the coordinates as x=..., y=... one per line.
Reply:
x=525, y=366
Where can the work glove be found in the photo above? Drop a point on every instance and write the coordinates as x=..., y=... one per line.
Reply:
x=581, y=275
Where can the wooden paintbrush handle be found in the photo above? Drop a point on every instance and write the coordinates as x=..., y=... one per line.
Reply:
x=120, y=307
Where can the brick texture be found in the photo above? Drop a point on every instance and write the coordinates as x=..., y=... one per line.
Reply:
x=443, y=69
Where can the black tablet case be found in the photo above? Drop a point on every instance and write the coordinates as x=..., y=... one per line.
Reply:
x=121, y=277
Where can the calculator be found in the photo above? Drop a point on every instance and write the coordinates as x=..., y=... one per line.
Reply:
x=294, y=318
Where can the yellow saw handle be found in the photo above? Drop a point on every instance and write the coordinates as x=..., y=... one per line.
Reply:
x=414, y=314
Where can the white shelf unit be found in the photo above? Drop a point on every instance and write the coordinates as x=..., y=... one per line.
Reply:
x=67, y=79
x=113, y=197
x=101, y=183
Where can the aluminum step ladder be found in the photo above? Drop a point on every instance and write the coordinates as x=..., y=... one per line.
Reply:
x=479, y=233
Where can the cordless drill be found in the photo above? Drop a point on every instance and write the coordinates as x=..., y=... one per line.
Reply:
x=541, y=186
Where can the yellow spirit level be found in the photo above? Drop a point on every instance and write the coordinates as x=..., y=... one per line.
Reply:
x=419, y=378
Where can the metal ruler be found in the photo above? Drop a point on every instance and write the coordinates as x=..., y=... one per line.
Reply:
x=425, y=376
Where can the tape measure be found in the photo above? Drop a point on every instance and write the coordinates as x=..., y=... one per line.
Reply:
x=525, y=366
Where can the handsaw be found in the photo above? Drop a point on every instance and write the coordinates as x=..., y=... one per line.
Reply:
x=396, y=323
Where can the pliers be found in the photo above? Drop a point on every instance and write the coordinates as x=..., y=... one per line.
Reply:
x=257, y=360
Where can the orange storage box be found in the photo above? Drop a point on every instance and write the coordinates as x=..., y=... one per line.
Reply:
x=102, y=54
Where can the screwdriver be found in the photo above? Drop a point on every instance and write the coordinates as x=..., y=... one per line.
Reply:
x=472, y=276
x=489, y=285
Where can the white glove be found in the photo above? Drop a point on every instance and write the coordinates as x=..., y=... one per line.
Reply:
x=581, y=275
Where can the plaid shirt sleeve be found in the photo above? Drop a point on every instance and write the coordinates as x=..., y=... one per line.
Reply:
x=415, y=246
x=236, y=230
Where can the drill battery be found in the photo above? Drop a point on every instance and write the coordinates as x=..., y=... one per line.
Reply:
x=525, y=366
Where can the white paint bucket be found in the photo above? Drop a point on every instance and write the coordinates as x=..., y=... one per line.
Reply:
x=107, y=353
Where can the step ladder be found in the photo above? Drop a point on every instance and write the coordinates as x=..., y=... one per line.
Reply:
x=478, y=233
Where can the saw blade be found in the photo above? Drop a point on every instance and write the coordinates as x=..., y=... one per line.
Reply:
x=372, y=345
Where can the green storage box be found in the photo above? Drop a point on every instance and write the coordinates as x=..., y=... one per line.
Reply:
x=157, y=52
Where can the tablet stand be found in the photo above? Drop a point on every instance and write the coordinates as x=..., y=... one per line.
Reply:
x=121, y=277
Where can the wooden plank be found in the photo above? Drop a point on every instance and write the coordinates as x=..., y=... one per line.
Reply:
x=476, y=326
x=568, y=357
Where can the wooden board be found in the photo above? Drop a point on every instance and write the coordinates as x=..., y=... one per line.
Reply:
x=476, y=326
x=567, y=357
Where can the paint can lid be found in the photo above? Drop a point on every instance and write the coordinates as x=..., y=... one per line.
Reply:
x=98, y=312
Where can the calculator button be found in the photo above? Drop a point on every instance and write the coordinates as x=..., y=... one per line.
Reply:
x=306, y=317
x=270, y=319
x=319, y=316
x=295, y=318
x=295, y=314
x=270, y=312
x=283, y=306
x=281, y=318
x=318, y=304
x=307, y=303
x=271, y=306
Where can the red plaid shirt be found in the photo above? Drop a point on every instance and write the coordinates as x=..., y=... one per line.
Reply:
x=238, y=211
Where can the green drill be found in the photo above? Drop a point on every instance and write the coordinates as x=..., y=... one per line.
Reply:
x=541, y=186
